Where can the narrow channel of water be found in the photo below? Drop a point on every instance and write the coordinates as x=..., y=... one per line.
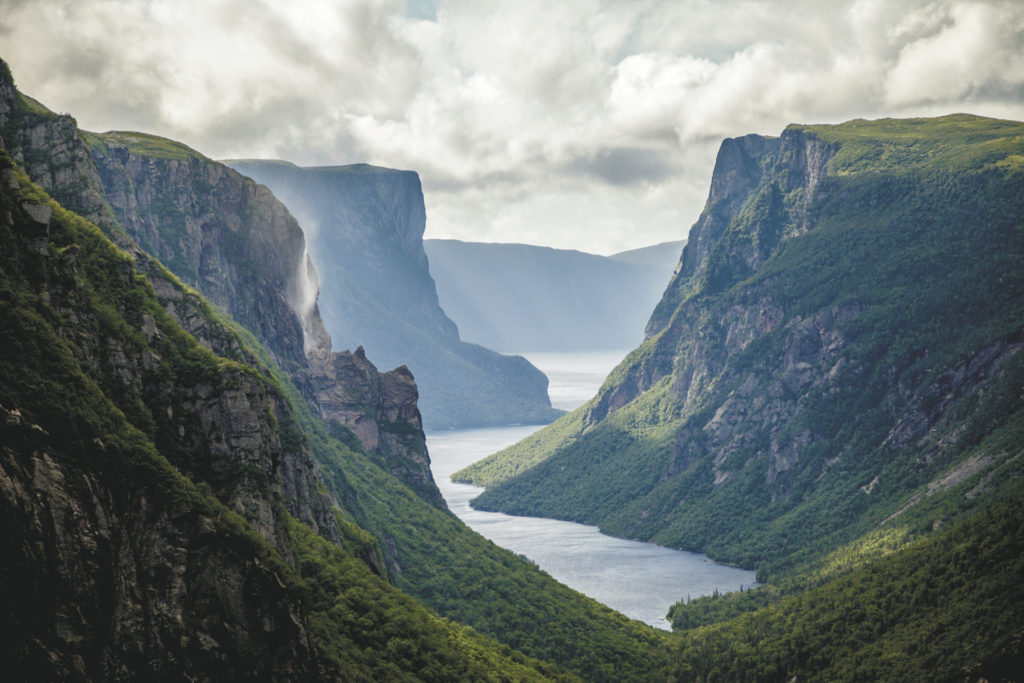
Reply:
x=641, y=580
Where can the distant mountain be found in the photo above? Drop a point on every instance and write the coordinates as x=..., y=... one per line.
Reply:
x=663, y=256
x=365, y=234
x=518, y=297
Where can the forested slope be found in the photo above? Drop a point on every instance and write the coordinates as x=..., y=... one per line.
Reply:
x=839, y=352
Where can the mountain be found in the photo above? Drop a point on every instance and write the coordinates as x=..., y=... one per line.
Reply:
x=163, y=516
x=528, y=298
x=664, y=255
x=838, y=353
x=365, y=226
x=183, y=496
x=230, y=238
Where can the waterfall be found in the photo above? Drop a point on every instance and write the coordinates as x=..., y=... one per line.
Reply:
x=308, y=288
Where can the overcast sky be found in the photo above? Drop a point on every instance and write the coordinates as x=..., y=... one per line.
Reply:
x=586, y=124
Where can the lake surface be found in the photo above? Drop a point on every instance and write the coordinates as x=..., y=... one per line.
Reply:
x=641, y=580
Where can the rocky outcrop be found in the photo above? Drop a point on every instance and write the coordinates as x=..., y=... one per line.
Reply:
x=381, y=410
x=51, y=149
x=365, y=226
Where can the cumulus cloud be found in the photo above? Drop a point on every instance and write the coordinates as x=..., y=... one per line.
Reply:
x=589, y=124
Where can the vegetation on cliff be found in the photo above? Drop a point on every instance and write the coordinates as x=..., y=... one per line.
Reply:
x=863, y=367
x=161, y=379
x=833, y=376
x=100, y=516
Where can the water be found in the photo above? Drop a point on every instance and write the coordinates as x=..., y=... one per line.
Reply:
x=641, y=580
x=574, y=378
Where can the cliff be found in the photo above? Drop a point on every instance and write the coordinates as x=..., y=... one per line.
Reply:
x=227, y=237
x=365, y=226
x=381, y=411
x=837, y=351
x=216, y=230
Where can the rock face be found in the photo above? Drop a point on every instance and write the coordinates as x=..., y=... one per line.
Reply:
x=115, y=566
x=527, y=298
x=381, y=410
x=801, y=376
x=51, y=150
x=217, y=231
x=365, y=227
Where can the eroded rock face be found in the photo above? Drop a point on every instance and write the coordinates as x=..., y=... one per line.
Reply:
x=217, y=231
x=117, y=584
x=381, y=410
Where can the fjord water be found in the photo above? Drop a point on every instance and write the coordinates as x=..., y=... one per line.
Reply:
x=641, y=580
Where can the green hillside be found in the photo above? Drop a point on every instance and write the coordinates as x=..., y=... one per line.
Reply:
x=89, y=443
x=838, y=353
x=949, y=608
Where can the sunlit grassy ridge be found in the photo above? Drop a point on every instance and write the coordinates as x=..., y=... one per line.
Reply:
x=143, y=144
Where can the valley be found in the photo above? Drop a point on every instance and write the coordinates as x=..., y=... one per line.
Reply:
x=641, y=580
x=205, y=475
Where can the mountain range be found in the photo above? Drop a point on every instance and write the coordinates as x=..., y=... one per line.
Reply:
x=519, y=297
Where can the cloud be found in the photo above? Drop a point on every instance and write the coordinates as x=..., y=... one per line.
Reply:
x=585, y=123
x=976, y=52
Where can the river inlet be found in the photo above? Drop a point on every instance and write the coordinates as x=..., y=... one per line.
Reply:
x=641, y=580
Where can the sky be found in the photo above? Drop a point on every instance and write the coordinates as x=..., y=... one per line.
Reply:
x=582, y=124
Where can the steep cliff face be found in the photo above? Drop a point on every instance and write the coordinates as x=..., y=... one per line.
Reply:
x=117, y=578
x=115, y=563
x=381, y=410
x=837, y=348
x=365, y=227
x=217, y=231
